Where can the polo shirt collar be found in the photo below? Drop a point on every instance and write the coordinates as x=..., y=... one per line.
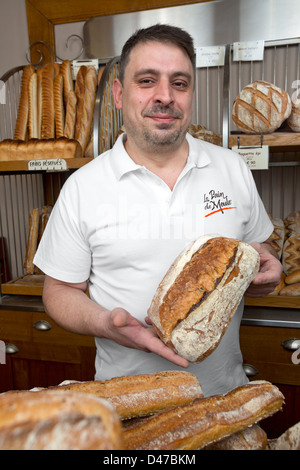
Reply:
x=122, y=163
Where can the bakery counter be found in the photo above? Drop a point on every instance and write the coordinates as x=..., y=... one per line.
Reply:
x=270, y=344
x=38, y=352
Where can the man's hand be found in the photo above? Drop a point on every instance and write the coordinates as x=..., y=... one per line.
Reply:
x=269, y=273
x=126, y=330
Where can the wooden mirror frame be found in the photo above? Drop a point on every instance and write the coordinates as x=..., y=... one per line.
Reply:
x=43, y=15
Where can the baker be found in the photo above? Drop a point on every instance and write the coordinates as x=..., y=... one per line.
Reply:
x=122, y=219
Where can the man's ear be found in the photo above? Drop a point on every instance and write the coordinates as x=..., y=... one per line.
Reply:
x=117, y=92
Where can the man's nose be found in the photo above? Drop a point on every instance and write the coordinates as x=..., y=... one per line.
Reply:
x=164, y=92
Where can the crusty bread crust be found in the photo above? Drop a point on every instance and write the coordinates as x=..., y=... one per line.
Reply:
x=40, y=420
x=142, y=395
x=194, y=303
x=208, y=420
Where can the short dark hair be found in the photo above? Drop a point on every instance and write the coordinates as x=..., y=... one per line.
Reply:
x=160, y=33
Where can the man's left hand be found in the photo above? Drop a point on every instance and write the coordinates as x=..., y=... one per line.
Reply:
x=269, y=274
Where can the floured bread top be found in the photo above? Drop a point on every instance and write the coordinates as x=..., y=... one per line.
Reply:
x=196, y=280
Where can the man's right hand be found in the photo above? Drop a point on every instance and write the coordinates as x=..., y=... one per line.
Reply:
x=126, y=330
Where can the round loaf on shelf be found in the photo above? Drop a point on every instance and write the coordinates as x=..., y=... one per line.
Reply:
x=260, y=108
x=294, y=118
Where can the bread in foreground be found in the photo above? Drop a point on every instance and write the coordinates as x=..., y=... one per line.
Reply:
x=206, y=420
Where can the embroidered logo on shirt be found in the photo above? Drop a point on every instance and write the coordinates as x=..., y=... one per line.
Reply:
x=216, y=201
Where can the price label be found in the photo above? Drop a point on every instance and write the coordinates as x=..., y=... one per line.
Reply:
x=257, y=158
x=52, y=164
x=248, y=51
x=211, y=56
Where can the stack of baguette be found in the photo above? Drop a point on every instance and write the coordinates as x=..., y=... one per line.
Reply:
x=54, y=115
x=161, y=411
x=286, y=241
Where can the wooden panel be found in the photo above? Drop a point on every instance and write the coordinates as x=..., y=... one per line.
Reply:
x=262, y=348
x=278, y=139
x=69, y=11
x=42, y=15
x=283, y=301
x=18, y=326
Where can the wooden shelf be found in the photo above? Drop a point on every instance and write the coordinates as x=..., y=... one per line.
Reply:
x=22, y=165
x=25, y=285
x=277, y=139
x=279, y=301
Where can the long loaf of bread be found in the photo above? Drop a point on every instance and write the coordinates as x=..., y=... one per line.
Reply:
x=59, y=108
x=23, y=109
x=32, y=240
x=142, y=395
x=196, y=425
x=48, y=126
x=33, y=107
x=194, y=303
x=69, y=130
x=79, y=91
x=50, y=420
x=86, y=118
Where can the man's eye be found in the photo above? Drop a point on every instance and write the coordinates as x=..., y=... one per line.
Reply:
x=180, y=84
x=146, y=81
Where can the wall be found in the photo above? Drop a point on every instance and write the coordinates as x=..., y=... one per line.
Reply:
x=13, y=34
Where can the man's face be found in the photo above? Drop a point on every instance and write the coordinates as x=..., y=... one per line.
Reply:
x=156, y=96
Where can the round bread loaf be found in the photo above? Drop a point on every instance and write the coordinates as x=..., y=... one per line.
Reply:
x=294, y=119
x=260, y=108
x=194, y=303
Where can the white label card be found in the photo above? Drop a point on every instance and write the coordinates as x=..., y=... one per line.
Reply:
x=211, y=56
x=253, y=50
x=257, y=158
x=52, y=164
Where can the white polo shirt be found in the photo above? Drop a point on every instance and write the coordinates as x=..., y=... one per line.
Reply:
x=120, y=226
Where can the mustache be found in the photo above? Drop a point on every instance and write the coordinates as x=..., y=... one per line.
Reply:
x=162, y=109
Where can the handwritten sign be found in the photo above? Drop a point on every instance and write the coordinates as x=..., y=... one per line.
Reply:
x=257, y=158
x=248, y=51
x=211, y=56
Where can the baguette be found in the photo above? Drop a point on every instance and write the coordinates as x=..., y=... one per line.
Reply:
x=69, y=130
x=208, y=420
x=23, y=108
x=251, y=438
x=59, y=109
x=39, y=73
x=194, y=303
x=66, y=71
x=86, y=118
x=142, y=395
x=48, y=129
x=48, y=420
x=79, y=90
x=32, y=240
x=33, y=107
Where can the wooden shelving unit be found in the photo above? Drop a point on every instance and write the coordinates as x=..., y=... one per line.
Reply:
x=276, y=139
x=14, y=166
